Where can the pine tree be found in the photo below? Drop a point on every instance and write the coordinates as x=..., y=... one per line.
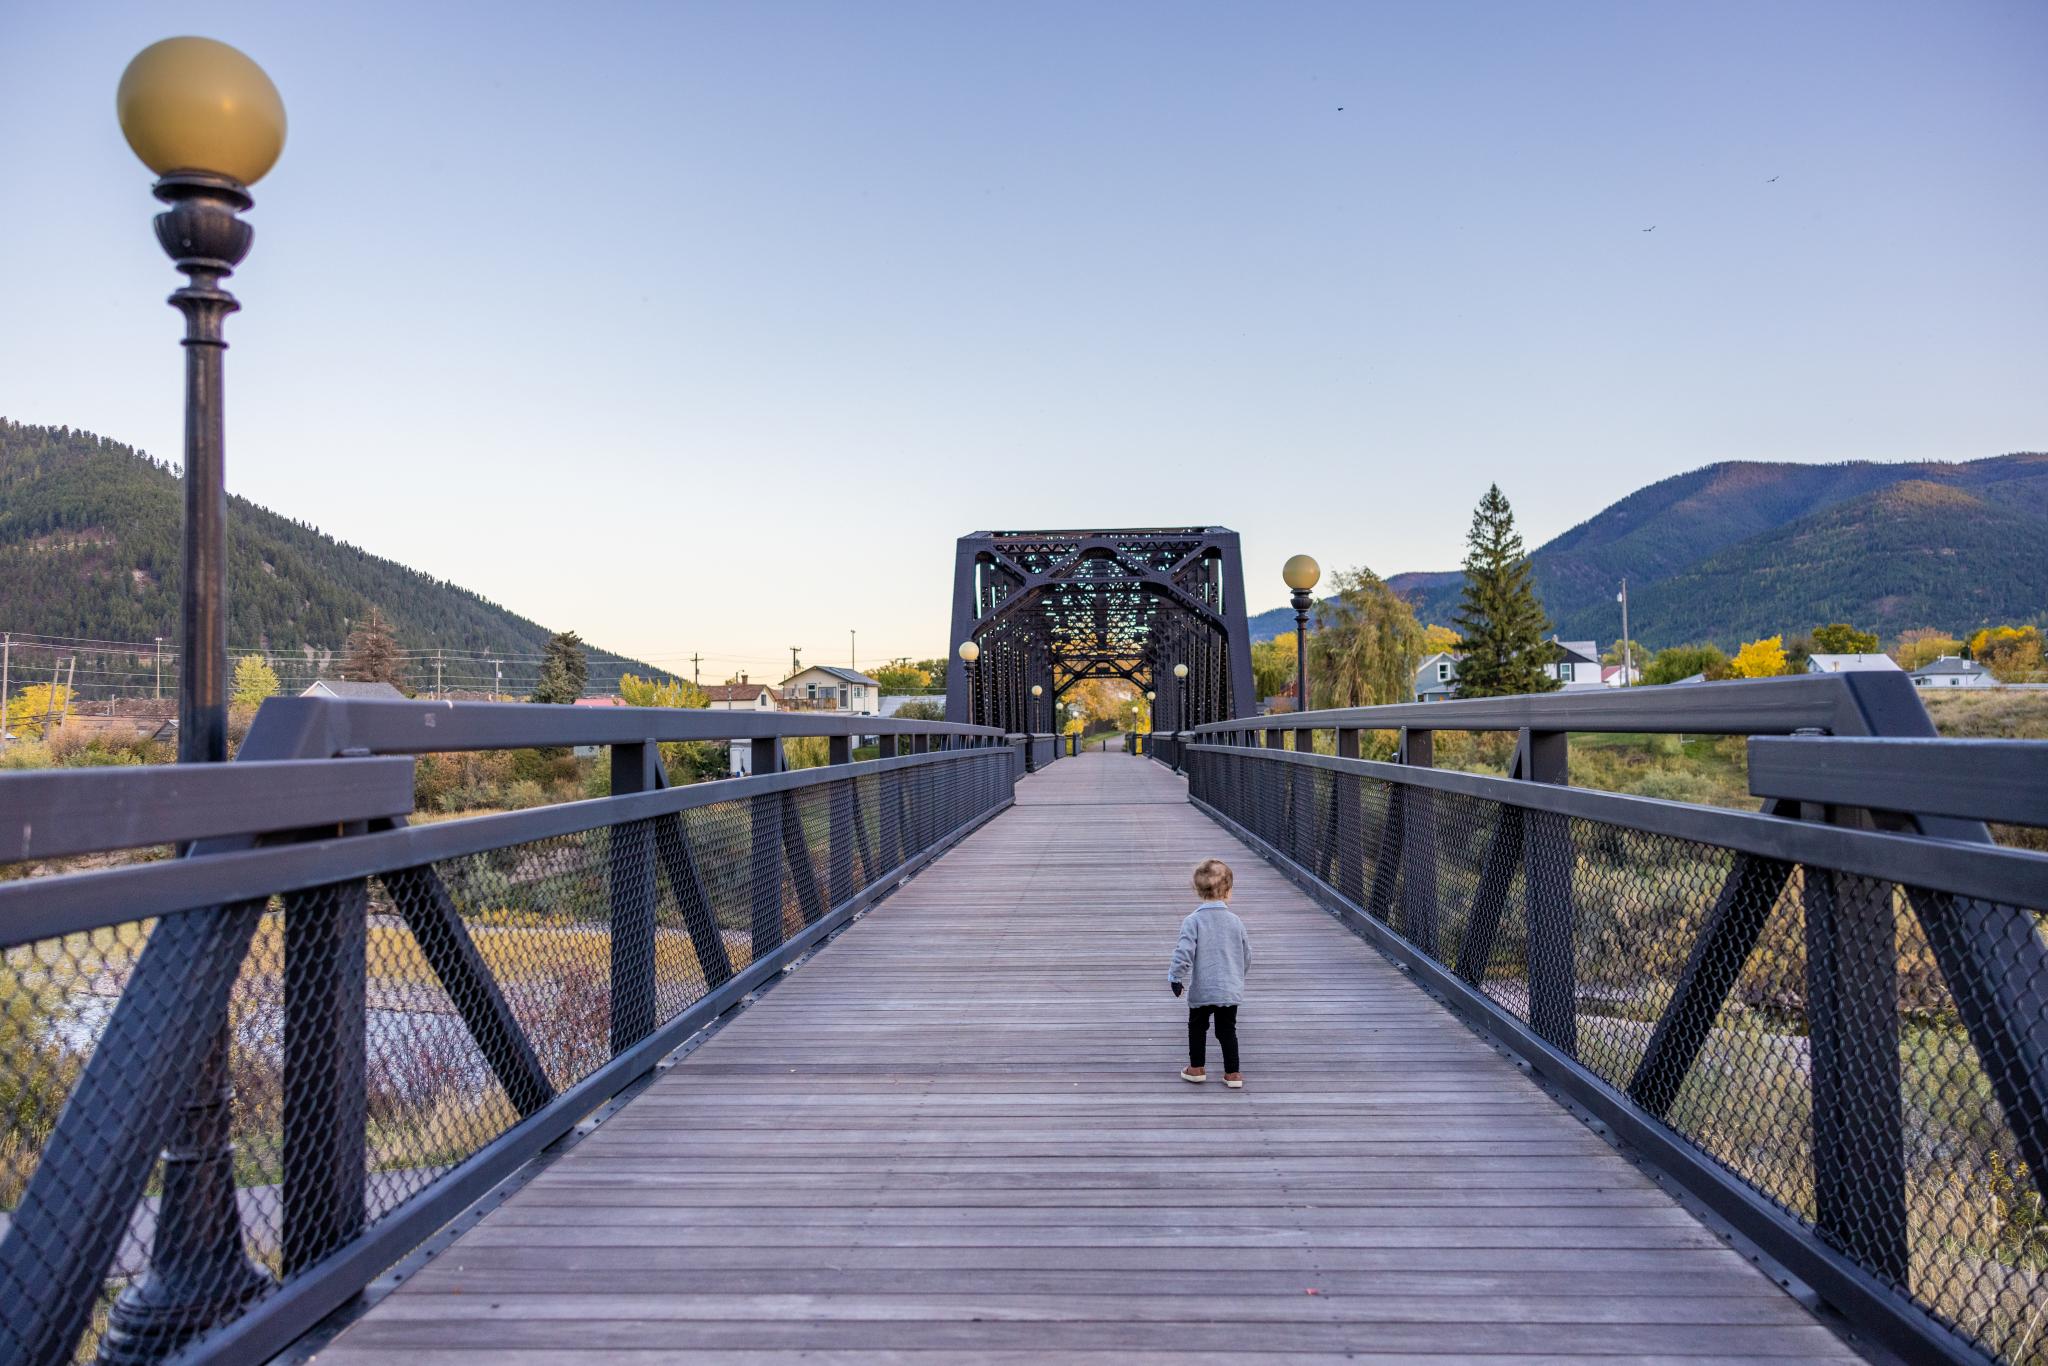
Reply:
x=563, y=670
x=373, y=655
x=1500, y=621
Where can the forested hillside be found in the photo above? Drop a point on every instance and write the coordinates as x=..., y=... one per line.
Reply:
x=1742, y=549
x=89, y=548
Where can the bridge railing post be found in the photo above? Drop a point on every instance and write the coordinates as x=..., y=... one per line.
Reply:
x=764, y=813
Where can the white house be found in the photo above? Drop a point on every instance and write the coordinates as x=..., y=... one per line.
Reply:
x=741, y=696
x=1619, y=676
x=1951, y=671
x=1436, y=678
x=825, y=687
x=1851, y=664
x=1576, y=665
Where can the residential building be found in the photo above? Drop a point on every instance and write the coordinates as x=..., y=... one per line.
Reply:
x=1952, y=671
x=825, y=687
x=1619, y=676
x=353, y=691
x=1436, y=678
x=741, y=695
x=1851, y=664
x=1575, y=665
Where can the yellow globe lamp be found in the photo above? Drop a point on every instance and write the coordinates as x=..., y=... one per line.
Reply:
x=1301, y=573
x=1180, y=671
x=193, y=104
x=969, y=652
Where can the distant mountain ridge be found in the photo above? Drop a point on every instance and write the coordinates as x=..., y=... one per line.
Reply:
x=89, y=549
x=1742, y=549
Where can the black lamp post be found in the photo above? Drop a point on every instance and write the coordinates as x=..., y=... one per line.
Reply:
x=1180, y=717
x=1301, y=574
x=969, y=652
x=1037, y=691
x=210, y=124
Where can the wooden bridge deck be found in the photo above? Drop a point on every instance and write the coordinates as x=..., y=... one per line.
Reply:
x=957, y=1134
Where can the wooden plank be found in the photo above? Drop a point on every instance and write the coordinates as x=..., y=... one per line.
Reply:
x=959, y=1131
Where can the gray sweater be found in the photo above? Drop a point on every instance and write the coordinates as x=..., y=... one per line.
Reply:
x=1212, y=956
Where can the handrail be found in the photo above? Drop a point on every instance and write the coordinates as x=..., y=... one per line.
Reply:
x=1842, y=704
x=323, y=726
x=50, y=813
x=1990, y=780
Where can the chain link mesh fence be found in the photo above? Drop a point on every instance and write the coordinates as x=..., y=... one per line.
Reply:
x=1794, y=1023
x=323, y=1056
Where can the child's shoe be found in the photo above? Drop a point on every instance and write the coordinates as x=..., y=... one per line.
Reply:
x=1195, y=1074
x=1234, y=1080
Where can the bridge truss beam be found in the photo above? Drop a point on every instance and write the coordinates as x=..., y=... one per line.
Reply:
x=1052, y=608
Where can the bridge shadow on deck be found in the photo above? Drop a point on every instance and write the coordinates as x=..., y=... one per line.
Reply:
x=957, y=1133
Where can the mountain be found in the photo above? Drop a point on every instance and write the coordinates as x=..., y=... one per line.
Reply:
x=1745, y=549
x=89, y=550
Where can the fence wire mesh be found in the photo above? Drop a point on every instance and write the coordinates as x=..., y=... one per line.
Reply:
x=311, y=1061
x=1841, y=1043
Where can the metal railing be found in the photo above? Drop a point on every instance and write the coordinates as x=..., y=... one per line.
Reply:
x=238, y=1084
x=1827, y=1021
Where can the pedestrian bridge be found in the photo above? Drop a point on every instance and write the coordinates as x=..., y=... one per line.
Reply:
x=875, y=1060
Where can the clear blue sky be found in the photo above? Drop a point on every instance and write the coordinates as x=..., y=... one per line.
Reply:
x=709, y=326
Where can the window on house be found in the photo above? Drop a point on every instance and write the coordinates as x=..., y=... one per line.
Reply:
x=842, y=697
x=1443, y=673
x=811, y=691
x=1564, y=673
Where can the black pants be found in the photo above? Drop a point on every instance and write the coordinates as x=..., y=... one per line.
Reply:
x=1226, y=1034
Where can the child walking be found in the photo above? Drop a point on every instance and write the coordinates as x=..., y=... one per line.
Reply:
x=1209, y=964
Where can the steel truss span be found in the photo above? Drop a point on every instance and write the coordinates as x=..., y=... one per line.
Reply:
x=1051, y=608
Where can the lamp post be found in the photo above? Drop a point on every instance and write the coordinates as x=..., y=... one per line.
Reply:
x=1037, y=691
x=969, y=652
x=1301, y=573
x=210, y=124
x=1180, y=715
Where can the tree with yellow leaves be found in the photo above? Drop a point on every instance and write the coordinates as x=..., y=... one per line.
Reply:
x=38, y=703
x=1760, y=658
x=1923, y=645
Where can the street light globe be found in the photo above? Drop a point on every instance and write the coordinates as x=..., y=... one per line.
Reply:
x=969, y=652
x=192, y=104
x=1037, y=691
x=1180, y=671
x=1300, y=573
x=1149, y=697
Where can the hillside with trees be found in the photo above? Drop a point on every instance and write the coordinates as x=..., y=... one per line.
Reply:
x=89, y=549
x=1744, y=548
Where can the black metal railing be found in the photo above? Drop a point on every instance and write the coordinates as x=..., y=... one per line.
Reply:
x=1827, y=1020
x=237, y=1085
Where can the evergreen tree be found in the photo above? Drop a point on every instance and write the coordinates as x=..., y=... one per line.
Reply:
x=1501, y=624
x=563, y=670
x=372, y=655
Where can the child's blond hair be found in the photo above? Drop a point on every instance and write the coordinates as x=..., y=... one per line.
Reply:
x=1213, y=879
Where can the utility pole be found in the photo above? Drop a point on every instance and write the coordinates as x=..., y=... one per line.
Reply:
x=6, y=658
x=794, y=667
x=437, y=675
x=50, y=706
x=1627, y=653
x=70, y=686
x=696, y=662
x=852, y=649
x=159, y=668
x=498, y=673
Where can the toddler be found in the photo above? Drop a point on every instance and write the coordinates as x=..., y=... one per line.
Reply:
x=1209, y=964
